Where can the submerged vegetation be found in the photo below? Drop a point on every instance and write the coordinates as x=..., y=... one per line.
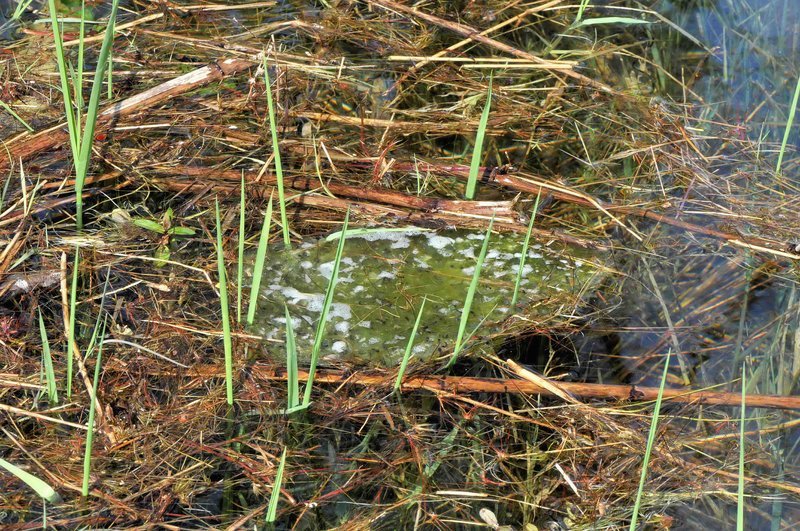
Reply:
x=577, y=223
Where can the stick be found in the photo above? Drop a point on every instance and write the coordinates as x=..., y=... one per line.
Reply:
x=468, y=384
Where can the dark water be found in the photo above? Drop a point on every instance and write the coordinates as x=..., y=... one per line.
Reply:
x=727, y=307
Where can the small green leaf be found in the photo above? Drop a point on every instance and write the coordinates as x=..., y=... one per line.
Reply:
x=149, y=224
x=181, y=231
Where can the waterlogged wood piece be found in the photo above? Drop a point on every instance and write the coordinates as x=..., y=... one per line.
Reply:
x=376, y=203
x=534, y=185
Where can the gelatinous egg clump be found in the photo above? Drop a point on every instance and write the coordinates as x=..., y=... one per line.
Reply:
x=383, y=277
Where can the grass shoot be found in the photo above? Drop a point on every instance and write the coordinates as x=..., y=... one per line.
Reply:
x=10, y=111
x=258, y=266
x=740, y=523
x=81, y=138
x=225, y=308
x=276, y=151
x=240, y=256
x=477, y=153
x=651, y=438
x=47, y=363
x=326, y=306
x=87, y=456
x=272, y=510
x=524, y=253
x=581, y=8
x=789, y=123
x=292, y=378
x=473, y=288
x=407, y=355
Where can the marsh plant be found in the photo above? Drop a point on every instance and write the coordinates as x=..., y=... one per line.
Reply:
x=81, y=126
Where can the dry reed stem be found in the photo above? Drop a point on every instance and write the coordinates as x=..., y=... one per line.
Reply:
x=458, y=385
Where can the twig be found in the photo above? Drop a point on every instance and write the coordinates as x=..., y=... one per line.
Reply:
x=564, y=67
x=25, y=413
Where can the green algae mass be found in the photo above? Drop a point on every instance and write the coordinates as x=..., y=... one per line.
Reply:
x=383, y=278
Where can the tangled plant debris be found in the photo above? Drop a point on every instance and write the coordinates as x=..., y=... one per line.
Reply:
x=606, y=120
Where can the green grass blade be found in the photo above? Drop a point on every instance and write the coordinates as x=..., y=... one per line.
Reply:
x=326, y=306
x=477, y=153
x=61, y=60
x=740, y=492
x=292, y=377
x=45, y=491
x=72, y=347
x=47, y=361
x=77, y=77
x=273, y=129
x=223, y=302
x=651, y=437
x=85, y=152
x=581, y=9
x=99, y=324
x=110, y=80
x=272, y=511
x=258, y=267
x=22, y=5
x=87, y=456
x=407, y=354
x=240, y=268
x=524, y=254
x=473, y=288
x=789, y=123
x=10, y=111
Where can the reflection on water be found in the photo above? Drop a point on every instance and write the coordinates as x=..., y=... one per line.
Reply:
x=722, y=308
x=750, y=74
